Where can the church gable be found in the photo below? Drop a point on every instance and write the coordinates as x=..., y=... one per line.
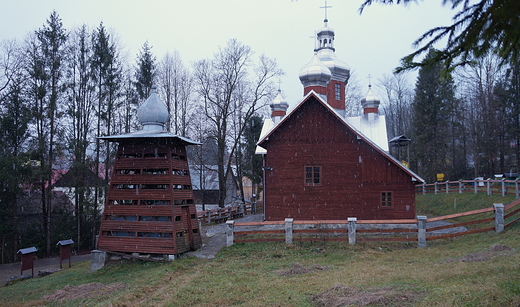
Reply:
x=311, y=122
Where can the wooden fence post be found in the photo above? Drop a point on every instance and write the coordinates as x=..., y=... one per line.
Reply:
x=499, y=217
x=209, y=215
x=352, y=230
x=289, y=231
x=447, y=187
x=424, y=189
x=475, y=183
x=516, y=188
x=504, y=192
x=230, y=235
x=421, y=230
x=460, y=186
x=435, y=185
x=489, y=187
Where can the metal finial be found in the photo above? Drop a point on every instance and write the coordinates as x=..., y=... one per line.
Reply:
x=369, y=80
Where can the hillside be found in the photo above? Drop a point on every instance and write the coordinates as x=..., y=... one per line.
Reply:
x=446, y=273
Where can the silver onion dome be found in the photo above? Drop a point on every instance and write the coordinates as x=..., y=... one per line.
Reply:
x=279, y=103
x=339, y=69
x=153, y=113
x=315, y=73
x=370, y=100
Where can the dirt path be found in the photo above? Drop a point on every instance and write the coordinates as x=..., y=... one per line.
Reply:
x=13, y=269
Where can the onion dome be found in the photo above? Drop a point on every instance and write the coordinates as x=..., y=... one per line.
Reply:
x=370, y=100
x=278, y=107
x=370, y=106
x=153, y=113
x=339, y=69
x=315, y=73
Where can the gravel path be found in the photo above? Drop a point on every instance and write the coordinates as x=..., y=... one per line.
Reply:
x=214, y=237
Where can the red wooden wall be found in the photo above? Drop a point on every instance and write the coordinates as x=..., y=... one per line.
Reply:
x=149, y=206
x=353, y=172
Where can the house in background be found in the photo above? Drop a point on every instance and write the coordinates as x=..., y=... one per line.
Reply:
x=204, y=180
x=320, y=165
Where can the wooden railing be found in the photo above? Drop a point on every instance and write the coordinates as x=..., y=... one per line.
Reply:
x=221, y=215
x=421, y=229
x=488, y=186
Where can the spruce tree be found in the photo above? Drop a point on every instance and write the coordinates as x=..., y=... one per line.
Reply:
x=432, y=106
x=145, y=71
x=46, y=72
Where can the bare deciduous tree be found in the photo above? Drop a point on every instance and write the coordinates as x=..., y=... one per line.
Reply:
x=175, y=84
x=232, y=88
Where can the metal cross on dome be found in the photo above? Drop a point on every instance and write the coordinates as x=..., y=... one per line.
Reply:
x=325, y=7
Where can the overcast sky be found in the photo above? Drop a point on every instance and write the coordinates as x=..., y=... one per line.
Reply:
x=371, y=43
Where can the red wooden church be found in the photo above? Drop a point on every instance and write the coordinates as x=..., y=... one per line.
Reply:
x=318, y=164
x=149, y=206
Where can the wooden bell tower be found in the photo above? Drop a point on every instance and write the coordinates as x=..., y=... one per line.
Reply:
x=149, y=206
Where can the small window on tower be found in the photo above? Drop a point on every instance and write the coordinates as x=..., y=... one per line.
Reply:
x=312, y=175
x=337, y=91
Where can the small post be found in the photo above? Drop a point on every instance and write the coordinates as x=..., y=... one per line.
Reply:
x=460, y=186
x=208, y=213
x=499, y=217
x=289, y=231
x=421, y=230
x=352, y=230
x=447, y=187
x=476, y=186
x=435, y=186
x=489, y=187
x=230, y=233
x=424, y=189
x=97, y=260
x=504, y=191
x=516, y=189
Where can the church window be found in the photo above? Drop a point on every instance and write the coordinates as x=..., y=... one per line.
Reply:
x=337, y=91
x=386, y=200
x=312, y=175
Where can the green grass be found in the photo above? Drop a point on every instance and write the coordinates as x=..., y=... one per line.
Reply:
x=250, y=274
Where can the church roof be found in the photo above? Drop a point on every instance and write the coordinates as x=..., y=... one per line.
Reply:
x=350, y=126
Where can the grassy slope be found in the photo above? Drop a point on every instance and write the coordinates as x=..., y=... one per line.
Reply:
x=248, y=274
